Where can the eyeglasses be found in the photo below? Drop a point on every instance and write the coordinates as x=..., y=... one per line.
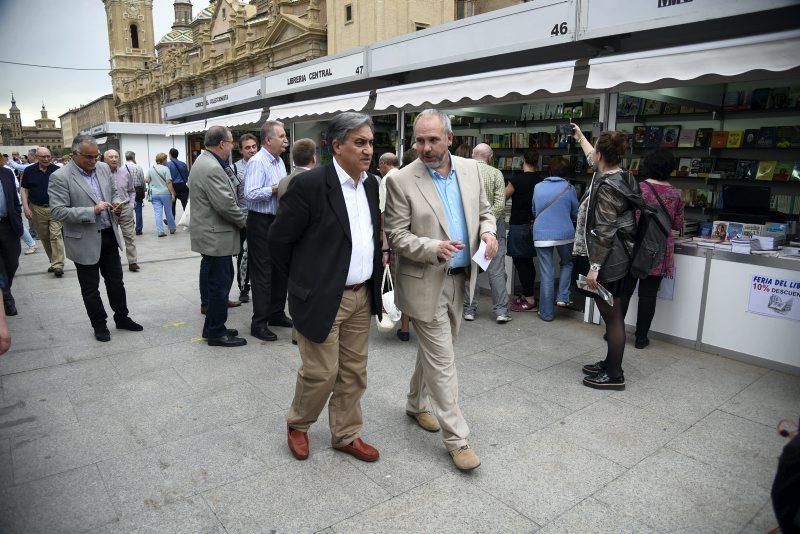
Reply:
x=89, y=156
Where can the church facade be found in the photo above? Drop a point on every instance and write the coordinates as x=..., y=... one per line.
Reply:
x=42, y=133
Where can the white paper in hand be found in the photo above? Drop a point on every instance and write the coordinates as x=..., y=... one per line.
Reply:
x=480, y=257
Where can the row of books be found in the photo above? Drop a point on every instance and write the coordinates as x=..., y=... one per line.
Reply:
x=674, y=136
x=519, y=140
x=629, y=106
x=568, y=111
x=700, y=197
x=727, y=168
x=765, y=98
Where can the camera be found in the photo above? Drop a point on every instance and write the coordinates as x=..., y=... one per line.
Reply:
x=564, y=129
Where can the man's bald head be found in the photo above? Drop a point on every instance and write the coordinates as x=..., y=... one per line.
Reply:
x=42, y=155
x=387, y=162
x=111, y=157
x=483, y=152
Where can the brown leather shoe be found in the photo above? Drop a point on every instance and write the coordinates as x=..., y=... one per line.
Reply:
x=133, y=267
x=298, y=443
x=426, y=420
x=203, y=309
x=234, y=303
x=361, y=450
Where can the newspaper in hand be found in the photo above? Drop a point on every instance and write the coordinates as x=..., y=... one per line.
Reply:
x=601, y=291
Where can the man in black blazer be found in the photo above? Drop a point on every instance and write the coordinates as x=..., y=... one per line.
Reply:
x=10, y=232
x=326, y=239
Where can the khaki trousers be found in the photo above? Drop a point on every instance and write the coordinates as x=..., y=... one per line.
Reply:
x=335, y=368
x=127, y=226
x=50, y=233
x=434, y=384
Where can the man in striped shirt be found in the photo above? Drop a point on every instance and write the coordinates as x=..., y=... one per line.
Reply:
x=264, y=172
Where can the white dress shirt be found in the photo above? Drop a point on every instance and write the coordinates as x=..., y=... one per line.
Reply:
x=361, y=231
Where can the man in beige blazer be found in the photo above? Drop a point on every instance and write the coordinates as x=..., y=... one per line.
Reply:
x=436, y=216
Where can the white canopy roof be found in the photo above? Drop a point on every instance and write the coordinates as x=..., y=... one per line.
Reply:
x=776, y=52
x=186, y=127
x=320, y=106
x=251, y=116
x=551, y=77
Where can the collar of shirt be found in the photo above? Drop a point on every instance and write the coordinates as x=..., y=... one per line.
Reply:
x=222, y=162
x=272, y=159
x=344, y=177
x=435, y=174
x=86, y=174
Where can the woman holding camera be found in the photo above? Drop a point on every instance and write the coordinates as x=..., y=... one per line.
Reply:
x=604, y=239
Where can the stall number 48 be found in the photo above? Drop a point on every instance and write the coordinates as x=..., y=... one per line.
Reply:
x=559, y=29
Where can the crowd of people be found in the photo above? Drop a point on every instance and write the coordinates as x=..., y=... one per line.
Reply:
x=320, y=237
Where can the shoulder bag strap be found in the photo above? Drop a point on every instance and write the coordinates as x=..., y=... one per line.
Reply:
x=653, y=189
x=554, y=199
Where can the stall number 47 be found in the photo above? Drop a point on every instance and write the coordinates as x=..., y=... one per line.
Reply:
x=559, y=29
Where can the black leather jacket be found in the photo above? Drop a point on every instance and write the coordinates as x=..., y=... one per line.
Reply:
x=611, y=223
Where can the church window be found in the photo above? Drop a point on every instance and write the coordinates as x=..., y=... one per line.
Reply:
x=134, y=36
x=348, y=13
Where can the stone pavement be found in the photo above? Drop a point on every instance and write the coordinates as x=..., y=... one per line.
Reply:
x=157, y=432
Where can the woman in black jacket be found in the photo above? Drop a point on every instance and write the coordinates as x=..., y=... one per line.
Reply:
x=604, y=239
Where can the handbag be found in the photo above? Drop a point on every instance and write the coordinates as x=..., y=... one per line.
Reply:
x=185, y=218
x=391, y=314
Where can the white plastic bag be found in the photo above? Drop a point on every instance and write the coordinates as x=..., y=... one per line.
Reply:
x=391, y=314
x=185, y=217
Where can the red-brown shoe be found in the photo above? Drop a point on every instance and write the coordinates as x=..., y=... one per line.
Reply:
x=361, y=450
x=298, y=443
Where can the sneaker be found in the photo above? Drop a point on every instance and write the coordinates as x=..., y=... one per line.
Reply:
x=564, y=304
x=465, y=458
x=469, y=316
x=522, y=305
x=162, y=234
x=604, y=381
x=503, y=319
x=641, y=343
x=31, y=249
x=138, y=232
x=594, y=368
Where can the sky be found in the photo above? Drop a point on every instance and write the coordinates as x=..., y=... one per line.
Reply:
x=66, y=33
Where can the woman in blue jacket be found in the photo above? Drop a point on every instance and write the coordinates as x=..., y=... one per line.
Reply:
x=555, y=206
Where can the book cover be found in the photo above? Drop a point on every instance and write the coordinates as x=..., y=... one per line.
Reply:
x=633, y=167
x=735, y=138
x=684, y=165
x=686, y=139
x=703, y=137
x=736, y=100
x=776, y=229
x=750, y=138
x=726, y=167
x=702, y=166
x=760, y=98
x=746, y=169
x=705, y=229
x=766, y=169
x=766, y=137
x=720, y=231
x=778, y=98
x=719, y=139
x=671, y=109
x=652, y=107
x=687, y=109
x=639, y=134
x=787, y=137
x=629, y=106
x=795, y=176
x=653, y=136
x=670, y=137
x=783, y=171
x=749, y=230
x=735, y=230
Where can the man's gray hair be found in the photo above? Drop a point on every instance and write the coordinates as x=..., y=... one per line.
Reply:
x=389, y=159
x=344, y=123
x=130, y=155
x=82, y=139
x=268, y=130
x=216, y=135
x=443, y=118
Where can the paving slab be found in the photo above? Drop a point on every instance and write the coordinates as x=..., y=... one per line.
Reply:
x=592, y=515
x=20, y=416
x=447, y=504
x=186, y=516
x=561, y=384
x=769, y=399
x=672, y=492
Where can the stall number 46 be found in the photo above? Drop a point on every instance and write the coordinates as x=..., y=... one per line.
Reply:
x=559, y=29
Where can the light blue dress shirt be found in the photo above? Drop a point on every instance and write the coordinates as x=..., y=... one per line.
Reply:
x=450, y=194
x=263, y=171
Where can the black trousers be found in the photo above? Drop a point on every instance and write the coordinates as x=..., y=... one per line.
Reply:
x=526, y=271
x=10, y=249
x=269, y=287
x=182, y=194
x=242, y=270
x=218, y=280
x=89, y=279
x=648, y=289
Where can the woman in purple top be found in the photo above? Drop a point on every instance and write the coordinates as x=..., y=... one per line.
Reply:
x=657, y=167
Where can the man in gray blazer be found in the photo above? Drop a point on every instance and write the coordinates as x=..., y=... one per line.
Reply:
x=214, y=228
x=85, y=200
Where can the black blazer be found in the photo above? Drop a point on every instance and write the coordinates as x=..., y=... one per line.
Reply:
x=310, y=243
x=13, y=207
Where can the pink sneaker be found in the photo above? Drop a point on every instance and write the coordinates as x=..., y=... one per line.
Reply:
x=522, y=305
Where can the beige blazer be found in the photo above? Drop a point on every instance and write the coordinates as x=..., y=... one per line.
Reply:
x=72, y=202
x=415, y=223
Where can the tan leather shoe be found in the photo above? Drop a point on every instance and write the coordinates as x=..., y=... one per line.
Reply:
x=426, y=420
x=465, y=458
x=298, y=443
x=361, y=450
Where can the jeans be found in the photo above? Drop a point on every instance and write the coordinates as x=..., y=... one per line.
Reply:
x=219, y=280
x=137, y=209
x=546, y=285
x=26, y=236
x=161, y=207
x=497, y=278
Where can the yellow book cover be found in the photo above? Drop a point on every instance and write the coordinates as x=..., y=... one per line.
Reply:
x=765, y=170
x=735, y=138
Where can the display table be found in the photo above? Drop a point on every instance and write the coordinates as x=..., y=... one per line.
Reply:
x=743, y=306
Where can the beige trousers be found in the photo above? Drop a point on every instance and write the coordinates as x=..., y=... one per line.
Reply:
x=335, y=368
x=434, y=384
x=127, y=226
x=50, y=233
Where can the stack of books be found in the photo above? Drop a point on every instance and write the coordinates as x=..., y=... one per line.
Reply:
x=766, y=242
x=740, y=246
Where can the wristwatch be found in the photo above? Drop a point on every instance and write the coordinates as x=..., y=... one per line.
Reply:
x=594, y=267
